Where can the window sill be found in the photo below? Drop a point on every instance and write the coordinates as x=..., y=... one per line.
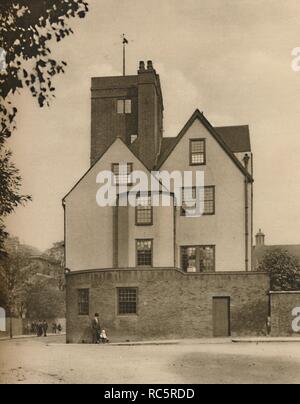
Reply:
x=198, y=272
x=204, y=214
x=135, y=316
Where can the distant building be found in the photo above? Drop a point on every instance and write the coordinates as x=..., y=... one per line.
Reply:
x=152, y=271
x=261, y=249
x=47, y=269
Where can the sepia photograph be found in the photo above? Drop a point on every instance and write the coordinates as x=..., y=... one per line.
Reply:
x=149, y=184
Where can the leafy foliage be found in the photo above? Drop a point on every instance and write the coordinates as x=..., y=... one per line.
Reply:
x=28, y=29
x=284, y=270
x=45, y=302
x=14, y=274
x=26, y=284
x=10, y=198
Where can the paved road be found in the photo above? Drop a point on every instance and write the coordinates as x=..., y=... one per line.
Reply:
x=50, y=361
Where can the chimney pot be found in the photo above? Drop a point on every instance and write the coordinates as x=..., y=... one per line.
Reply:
x=142, y=65
x=260, y=238
x=149, y=65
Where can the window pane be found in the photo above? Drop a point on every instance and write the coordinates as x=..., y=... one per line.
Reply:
x=189, y=259
x=198, y=152
x=198, y=146
x=122, y=173
x=127, y=106
x=198, y=158
x=206, y=197
x=133, y=138
x=209, y=200
x=127, y=300
x=83, y=302
x=198, y=259
x=144, y=211
x=120, y=106
x=188, y=199
x=144, y=253
x=206, y=259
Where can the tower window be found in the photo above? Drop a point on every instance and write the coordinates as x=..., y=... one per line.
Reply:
x=133, y=138
x=128, y=107
x=124, y=106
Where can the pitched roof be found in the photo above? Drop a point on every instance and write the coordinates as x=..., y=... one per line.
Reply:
x=236, y=137
x=132, y=150
x=169, y=145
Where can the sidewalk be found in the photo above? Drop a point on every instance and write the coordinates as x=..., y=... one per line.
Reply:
x=199, y=341
x=211, y=341
x=16, y=337
x=259, y=340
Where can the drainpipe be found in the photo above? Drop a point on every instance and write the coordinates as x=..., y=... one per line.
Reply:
x=252, y=212
x=175, y=233
x=246, y=162
x=116, y=235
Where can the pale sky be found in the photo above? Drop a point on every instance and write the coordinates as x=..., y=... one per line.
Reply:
x=229, y=58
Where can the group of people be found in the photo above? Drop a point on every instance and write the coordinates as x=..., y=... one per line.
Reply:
x=56, y=328
x=40, y=328
x=99, y=335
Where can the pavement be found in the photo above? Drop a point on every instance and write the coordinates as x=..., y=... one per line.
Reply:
x=51, y=361
x=199, y=341
x=16, y=337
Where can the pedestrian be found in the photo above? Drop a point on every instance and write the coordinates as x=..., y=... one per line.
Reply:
x=54, y=328
x=45, y=328
x=39, y=328
x=59, y=328
x=103, y=337
x=96, y=329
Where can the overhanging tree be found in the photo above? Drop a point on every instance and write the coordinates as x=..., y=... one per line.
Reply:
x=14, y=273
x=10, y=197
x=283, y=269
x=28, y=30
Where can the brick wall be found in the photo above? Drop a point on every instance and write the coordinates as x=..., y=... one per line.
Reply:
x=171, y=304
x=282, y=305
x=106, y=124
